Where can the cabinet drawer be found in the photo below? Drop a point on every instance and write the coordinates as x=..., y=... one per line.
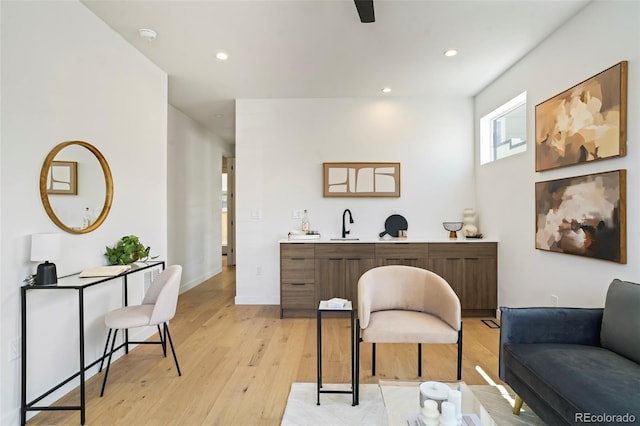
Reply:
x=345, y=251
x=298, y=296
x=401, y=251
x=462, y=250
x=297, y=270
x=297, y=250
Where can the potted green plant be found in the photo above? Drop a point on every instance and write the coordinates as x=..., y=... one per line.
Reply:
x=128, y=250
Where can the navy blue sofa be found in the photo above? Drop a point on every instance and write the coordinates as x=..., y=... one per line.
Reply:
x=576, y=365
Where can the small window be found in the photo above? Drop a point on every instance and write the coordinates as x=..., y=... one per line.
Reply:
x=503, y=132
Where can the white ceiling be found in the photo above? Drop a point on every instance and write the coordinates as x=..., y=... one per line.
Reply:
x=319, y=48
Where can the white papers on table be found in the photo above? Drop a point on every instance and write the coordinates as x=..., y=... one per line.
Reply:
x=471, y=419
x=104, y=271
x=336, y=303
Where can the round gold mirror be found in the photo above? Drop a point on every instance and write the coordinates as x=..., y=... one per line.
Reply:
x=76, y=187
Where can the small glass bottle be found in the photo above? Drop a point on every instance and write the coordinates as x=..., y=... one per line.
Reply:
x=86, y=218
x=305, y=222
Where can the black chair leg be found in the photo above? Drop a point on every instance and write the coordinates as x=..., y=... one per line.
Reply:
x=104, y=354
x=106, y=373
x=163, y=341
x=175, y=358
x=419, y=359
x=373, y=359
x=460, y=353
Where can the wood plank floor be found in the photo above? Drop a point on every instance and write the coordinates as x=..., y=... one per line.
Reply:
x=238, y=363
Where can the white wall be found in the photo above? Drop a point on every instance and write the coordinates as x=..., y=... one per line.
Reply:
x=603, y=34
x=67, y=76
x=282, y=143
x=194, y=203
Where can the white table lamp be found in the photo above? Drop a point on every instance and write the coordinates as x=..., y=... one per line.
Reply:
x=46, y=247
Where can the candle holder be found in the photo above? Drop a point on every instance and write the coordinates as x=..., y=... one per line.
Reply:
x=453, y=228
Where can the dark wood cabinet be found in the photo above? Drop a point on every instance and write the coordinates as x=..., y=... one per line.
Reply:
x=338, y=268
x=410, y=254
x=310, y=272
x=297, y=280
x=471, y=270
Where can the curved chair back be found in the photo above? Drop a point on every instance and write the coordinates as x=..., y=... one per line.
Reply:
x=163, y=294
x=399, y=287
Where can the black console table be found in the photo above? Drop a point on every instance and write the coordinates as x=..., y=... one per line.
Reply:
x=71, y=282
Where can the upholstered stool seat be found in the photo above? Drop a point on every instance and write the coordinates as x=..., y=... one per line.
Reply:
x=416, y=327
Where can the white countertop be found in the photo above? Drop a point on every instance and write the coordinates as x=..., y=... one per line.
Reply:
x=369, y=240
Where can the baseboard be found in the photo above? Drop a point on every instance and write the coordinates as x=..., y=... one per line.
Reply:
x=197, y=281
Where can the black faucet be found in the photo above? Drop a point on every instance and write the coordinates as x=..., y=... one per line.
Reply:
x=344, y=230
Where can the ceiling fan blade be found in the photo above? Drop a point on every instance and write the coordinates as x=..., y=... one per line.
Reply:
x=365, y=10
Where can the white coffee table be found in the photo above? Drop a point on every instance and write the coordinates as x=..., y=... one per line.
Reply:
x=402, y=399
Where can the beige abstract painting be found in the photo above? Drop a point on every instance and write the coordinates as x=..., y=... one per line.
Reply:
x=361, y=179
x=585, y=123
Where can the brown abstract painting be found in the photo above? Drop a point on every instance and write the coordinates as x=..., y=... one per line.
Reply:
x=583, y=215
x=584, y=123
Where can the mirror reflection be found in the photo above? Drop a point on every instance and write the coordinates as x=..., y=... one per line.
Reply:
x=76, y=187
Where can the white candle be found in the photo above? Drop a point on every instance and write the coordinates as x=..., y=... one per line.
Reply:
x=448, y=417
x=455, y=397
x=430, y=413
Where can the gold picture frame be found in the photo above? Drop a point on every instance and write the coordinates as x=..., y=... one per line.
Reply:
x=585, y=123
x=62, y=178
x=361, y=179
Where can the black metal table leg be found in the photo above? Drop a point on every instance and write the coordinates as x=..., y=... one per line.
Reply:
x=354, y=379
x=23, y=393
x=126, y=303
x=82, y=369
x=319, y=352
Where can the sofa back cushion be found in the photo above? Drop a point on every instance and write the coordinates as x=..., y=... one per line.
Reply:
x=621, y=319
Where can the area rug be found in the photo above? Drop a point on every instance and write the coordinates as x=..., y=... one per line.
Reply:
x=336, y=409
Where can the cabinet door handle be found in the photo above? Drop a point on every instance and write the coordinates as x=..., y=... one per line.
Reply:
x=297, y=258
x=297, y=283
x=353, y=258
x=453, y=258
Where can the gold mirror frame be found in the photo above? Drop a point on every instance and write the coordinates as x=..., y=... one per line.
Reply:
x=108, y=180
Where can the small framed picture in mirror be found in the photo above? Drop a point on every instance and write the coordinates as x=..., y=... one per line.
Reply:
x=63, y=178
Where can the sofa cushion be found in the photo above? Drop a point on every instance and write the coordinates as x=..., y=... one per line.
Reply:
x=577, y=379
x=621, y=319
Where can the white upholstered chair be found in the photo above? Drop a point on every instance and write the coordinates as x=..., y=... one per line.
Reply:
x=158, y=308
x=405, y=304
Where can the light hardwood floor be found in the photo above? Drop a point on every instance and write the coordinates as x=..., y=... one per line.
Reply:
x=238, y=363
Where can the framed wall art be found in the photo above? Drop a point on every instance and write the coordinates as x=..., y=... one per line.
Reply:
x=361, y=179
x=583, y=215
x=63, y=178
x=587, y=122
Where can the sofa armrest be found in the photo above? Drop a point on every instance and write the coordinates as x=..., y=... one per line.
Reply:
x=578, y=326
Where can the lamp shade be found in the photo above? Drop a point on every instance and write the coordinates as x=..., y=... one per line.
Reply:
x=45, y=247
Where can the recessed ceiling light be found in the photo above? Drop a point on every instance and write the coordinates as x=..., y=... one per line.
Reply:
x=222, y=56
x=147, y=34
x=386, y=90
x=450, y=52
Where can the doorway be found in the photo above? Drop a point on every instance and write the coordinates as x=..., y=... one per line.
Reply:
x=228, y=210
